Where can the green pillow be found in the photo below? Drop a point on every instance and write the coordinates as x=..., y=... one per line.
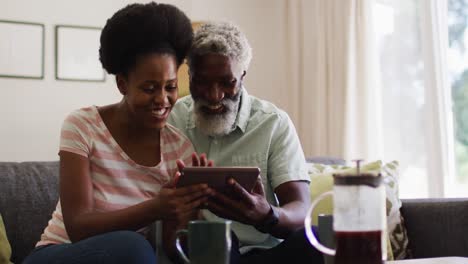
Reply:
x=5, y=249
x=322, y=181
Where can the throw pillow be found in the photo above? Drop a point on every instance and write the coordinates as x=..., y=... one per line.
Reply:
x=5, y=249
x=322, y=181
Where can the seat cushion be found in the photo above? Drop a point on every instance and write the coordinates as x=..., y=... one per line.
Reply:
x=28, y=195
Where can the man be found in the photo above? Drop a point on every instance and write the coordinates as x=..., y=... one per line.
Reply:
x=236, y=129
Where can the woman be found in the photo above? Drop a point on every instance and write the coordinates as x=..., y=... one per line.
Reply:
x=117, y=162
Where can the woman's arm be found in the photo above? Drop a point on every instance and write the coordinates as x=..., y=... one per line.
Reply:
x=169, y=228
x=76, y=197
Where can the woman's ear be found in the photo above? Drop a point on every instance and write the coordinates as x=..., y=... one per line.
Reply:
x=121, y=83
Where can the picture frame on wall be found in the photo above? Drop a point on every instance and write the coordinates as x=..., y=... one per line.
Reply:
x=21, y=49
x=77, y=54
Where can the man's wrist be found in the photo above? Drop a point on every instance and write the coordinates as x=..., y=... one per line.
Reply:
x=271, y=220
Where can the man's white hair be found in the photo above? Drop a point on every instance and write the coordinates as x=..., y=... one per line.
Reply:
x=223, y=38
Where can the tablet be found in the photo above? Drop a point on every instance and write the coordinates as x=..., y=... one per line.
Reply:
x=217, y=177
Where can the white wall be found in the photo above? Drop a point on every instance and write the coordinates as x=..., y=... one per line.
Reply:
x=263, y=22
x=32, y=110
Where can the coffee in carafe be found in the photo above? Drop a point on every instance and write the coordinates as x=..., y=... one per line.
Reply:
x=359, y=219
x=358, y=247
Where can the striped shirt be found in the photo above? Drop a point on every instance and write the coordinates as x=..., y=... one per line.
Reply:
x=117, y=181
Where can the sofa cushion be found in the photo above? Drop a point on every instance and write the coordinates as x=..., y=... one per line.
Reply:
x=28, y=195
x=5, y=249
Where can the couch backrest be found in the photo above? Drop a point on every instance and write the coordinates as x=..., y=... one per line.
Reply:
x=437, y=227
x=28, y=196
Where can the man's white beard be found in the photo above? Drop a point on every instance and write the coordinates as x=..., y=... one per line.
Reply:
x=216, y=124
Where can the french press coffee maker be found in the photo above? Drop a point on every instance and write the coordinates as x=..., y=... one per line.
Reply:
x=359, y=219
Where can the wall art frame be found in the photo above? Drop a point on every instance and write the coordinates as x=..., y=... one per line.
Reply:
x=22, y=48
x=77, y=54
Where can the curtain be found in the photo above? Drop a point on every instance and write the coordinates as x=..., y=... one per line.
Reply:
x=440, y=136
x=332, y=66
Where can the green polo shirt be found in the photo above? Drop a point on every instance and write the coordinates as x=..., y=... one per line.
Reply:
x=264, y=137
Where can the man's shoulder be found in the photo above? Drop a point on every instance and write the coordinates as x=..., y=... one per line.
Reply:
x=264, y=108
x=184, y=103
x=180, y=112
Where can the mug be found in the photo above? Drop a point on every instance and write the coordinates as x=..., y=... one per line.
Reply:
x=326, y=235
x=208, y=242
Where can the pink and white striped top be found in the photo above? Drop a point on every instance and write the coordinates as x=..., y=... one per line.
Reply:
x=117, y=181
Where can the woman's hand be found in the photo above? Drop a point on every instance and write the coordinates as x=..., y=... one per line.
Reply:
x=179, y=219
x=180, y=204
x=183, y=204
x=197, y=161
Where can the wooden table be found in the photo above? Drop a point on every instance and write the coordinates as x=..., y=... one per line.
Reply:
x=447, y=260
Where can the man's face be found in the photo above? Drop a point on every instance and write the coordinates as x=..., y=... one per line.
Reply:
x=216, y=86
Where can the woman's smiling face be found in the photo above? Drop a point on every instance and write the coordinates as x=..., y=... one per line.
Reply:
x=150, y=90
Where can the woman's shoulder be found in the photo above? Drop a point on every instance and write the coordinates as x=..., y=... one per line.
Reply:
x=85, y=114
x=176, y=145
x=86, y=120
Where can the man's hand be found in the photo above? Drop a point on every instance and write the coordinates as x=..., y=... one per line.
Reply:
x=240, y=205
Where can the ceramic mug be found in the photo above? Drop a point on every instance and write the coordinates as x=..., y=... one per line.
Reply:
x=208, y=242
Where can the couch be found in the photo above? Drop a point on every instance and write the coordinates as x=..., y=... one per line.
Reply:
x=29, y=193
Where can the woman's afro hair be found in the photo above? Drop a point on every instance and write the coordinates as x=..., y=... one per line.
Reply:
x=139, y=29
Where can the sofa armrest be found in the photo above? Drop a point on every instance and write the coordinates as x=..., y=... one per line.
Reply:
x=436, y=227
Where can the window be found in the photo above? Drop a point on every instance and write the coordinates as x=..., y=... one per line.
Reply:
x=458, y=72
x=423, y=63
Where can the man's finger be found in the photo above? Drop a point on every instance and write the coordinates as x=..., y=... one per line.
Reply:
x=239, y=191
x=258, y=188
x=234, y=206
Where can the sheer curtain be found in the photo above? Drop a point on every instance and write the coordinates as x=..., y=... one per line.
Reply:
x=332, y=64
x=440, y=131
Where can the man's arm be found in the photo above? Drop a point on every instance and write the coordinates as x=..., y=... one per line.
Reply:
x=294, y=200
